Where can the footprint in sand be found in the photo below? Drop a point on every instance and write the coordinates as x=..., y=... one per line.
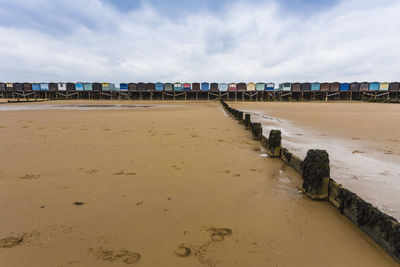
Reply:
x=9, y=242
x=139, y=204
x=255, y=170
x=91, y=171
x=25, y=126
x=389, y=152
x=216, y=235
x=175, y=167
x=236, y=175
x=64, y=128
x=122, y=172
x=30, y=176
x=357, y=152
x=106, y=129
x=123, y=256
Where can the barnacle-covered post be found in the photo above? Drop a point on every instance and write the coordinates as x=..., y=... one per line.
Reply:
x=316, y=173
x=247, y=120
x=275, y=143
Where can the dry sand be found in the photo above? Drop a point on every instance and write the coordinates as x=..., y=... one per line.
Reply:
x=158, y=184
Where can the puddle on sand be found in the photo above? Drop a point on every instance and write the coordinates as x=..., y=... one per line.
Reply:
x=372, y=175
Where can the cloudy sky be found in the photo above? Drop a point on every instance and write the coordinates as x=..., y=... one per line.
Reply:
x=199, y=40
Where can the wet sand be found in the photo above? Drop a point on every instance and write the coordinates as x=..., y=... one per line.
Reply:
x=362, y=139
x=182, y=185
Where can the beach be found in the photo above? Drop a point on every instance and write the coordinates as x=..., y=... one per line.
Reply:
x=172, y=184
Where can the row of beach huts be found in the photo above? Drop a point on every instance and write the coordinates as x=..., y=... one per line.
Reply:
x=205, y=86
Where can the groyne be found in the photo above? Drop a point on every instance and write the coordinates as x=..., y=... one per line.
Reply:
x=318, y=185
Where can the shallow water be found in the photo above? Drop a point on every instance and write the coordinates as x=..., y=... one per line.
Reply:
x=372, y=175
x=22, y=106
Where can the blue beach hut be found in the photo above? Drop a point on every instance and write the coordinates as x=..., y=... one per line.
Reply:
x=270, y=87
x=44, y=86
x=123, y=86
x=36, y=86
x=79, y=86
x=223, y=87
x=344, y=87
x=374, y=86
x=177, y=86
x=205, y=86
x=315, y=86
x=159, y=86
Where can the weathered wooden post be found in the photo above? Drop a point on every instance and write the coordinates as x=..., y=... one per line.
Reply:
x=240, y=116
x=256, y=129
x=316, y=173
x=275, y=143
x=247, y=120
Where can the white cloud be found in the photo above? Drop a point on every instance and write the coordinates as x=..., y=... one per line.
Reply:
x=356, y=40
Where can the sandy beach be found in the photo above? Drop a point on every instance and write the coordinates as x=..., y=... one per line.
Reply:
x=169, y=184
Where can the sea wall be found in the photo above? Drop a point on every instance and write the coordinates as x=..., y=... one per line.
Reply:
x=318, y=185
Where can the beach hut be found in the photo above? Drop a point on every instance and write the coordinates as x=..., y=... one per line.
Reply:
x=9, y=87
x=18, y=86
x=384, y=86
x=315, y=86
x=27, y=86
x=296, y=87
x=325, y=87
x=344, y=87
x=395, y=86
x=306, y=87
x=87, y=86
x=354, y=86
x=374, y=86
x=195, y=86
x=123, y=86
x=205, y=86
x=251, y=86
x=334, y=87
x=260, y=86
x=214, y=87
x=44, y=86
x=141, y=86
x=187, y=87
x=36, y=86
x=98, y=87
x=285, y=86
x=71, y=87
x=223, y=87
x=62, y=87
x=159, y=86
x=270, y=87
x=168, y=87
x=113, y=88
x=2, y=86
x=132, y=87
x=177, y=86
x=79, y=86
x=232, y=87
x=150, y=86
x=53, y=87
x=364, y=86
x=241, y=87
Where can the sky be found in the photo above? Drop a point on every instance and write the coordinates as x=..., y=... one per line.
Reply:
x=199, y=40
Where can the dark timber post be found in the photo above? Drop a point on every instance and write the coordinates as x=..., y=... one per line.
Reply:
x=247, y=120
x=275, y=143
x=256, y=129
x=316, y=173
